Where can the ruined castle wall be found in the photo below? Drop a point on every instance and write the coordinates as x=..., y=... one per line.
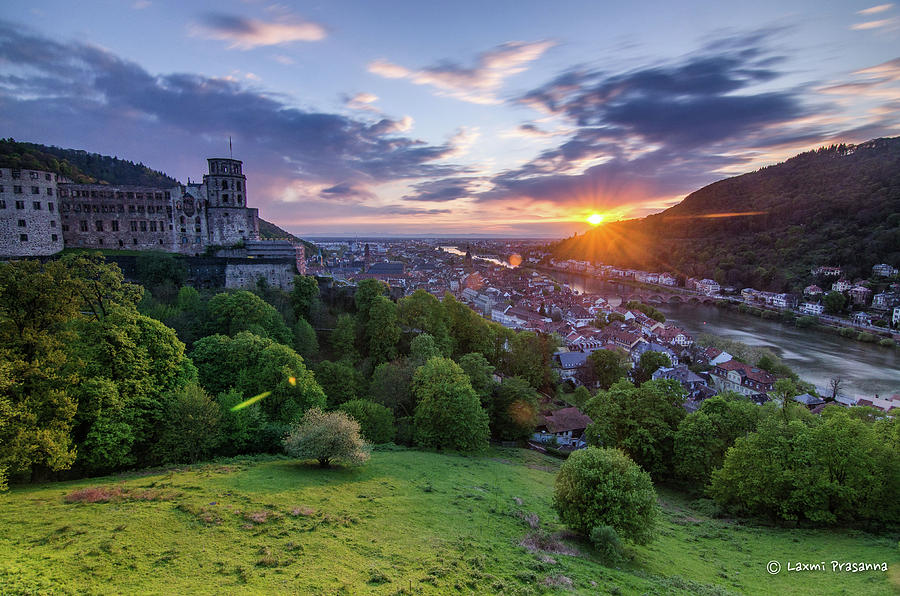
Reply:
x=244, y=273
x=29, y=213
x=228, y=226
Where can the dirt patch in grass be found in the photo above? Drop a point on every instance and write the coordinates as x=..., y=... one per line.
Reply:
x=549, y=543
x=117, y=494
x=303, y=510
x=558, y=581
x=260, y=517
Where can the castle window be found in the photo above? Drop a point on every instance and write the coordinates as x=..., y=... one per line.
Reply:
x=2, y=203
x=152, y=226
x=197, y=220
x=96, y=208
x=54, y=237
x=160, y=240
x=197, y=229
x=239, y=186
x=52, y=223
x=184, y=240
x=134, y=240
x=134, y=226
x=34, y=175
x=86, y=207
x=36, y=205
x=35, y=190
x=239, y=200
x=47, y=177
x=100, y=241
x=21, y=223
x=197, y=240
x=121, y=243
x=16, y=174
x=63, y=192
x=23, y=237
x=121, y=209
x=65, y=227
x=120, y=195
x=50, y=207
x=93, y=194
x=129, y=195
x=139, y=195
x=224, y=198
x=158, y=195
x=131, y=209
x=140, y=209
x=143, y=226
x=167, y=195
x=115, y=225
x=226, y=214
x=17, y=190
x=83, y=225
x=49, y=191
x=98, y=225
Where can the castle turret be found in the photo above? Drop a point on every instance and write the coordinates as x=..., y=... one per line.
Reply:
x=229, y=220
x=226, y=185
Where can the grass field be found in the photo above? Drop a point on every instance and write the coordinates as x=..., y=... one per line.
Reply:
x=408, y=522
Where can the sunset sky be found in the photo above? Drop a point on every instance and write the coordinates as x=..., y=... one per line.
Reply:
x=505, y=118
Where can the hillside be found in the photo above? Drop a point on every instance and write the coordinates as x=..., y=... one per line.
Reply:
x=79, y=165
x=408, y=522
x=268, y=230
x=838, y=205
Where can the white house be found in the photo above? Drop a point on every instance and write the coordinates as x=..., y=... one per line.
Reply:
x=708, y=286
x=812, y=308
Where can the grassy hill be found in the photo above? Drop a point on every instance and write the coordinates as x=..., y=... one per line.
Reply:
x=838, y=206
x=408, y=522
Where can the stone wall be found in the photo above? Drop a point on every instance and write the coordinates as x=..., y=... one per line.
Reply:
x=29, y=213
x=245, y=273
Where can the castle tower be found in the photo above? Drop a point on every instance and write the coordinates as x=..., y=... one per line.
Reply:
x=226, y=184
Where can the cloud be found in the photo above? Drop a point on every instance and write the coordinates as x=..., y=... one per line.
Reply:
x=141, y=4
x=282, y=59
x=876, y=9
x=246, y=34
x=362, y=102
x=74, y=94
x=880, y=24
x=477, y=84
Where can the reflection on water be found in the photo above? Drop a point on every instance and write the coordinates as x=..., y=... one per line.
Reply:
x=816, y=356
x=455, y=251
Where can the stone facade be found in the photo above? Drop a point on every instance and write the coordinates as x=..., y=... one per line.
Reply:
x=184, y=219
x=30, y=223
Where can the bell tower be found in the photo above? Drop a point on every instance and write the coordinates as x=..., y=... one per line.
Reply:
x=226, y=185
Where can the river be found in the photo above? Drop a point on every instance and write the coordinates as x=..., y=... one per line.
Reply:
x=866, y=369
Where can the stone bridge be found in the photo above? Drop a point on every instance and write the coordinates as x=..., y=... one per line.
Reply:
x=651, y=297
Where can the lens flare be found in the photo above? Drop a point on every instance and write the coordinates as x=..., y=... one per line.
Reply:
x=250, y=401
x=292, y=380
x=595, y=219
x=515, y=260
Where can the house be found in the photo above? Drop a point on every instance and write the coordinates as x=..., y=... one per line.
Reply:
x=676, y=336
x=714, y=356
x=885, y=300
x=742, y=378
x=645, y=346
x=667, y=279
x=812, y=308
x=708, y=286
x=896, y=318
x=623, y=337
x=691, y=381
x=884, y=270
x=567, y=425
x=810, y=401
x=783, y=301
x=861, y=318
x=860, y=295
x=841, y=285
x=885, y=405
x=827, y=271
x=569, y=363
x=812, y=290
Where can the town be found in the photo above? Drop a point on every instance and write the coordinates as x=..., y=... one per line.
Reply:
x=512, y=282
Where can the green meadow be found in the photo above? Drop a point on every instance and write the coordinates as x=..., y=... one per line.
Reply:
x=407, y=522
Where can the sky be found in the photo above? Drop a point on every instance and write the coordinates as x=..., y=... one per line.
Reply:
x=497, y=118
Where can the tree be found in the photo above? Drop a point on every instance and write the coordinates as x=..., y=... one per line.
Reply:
x=834, y=302
x=305, y=342
x=326, y=437
x=784, y=391
x=448, y=414
x=231, y=313
x=239, y=429
x=422, y=348
x=529, y=357
x=422, y=312
x=191, y=428
x=603, y=487
x=514, y=415
x=481, y=376
x=608, y=366
x=648, y=364
x=391, y=386
x=376, y=422
x=639, y=420
x=340, y=381
x=383, y=330
x=161, y=273
x=100, y=284
x=835, y=384
x=304, y=293
x=343, y=338
x=366, y=292
x=580, y=397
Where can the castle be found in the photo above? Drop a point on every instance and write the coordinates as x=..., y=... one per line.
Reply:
x=41, y=213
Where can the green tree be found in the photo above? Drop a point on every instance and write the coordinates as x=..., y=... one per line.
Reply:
x=448, y=414
x=603, y=487
x=422, y=348
x=648, y=364
x=580, y=397
x=376, y=422
x=231, y=313
x=343, y=338
x=834, y=302
x=391, y=386
x=366, y=293
x=515, y=410
x=326, y=437
x=481, y=376
x=382, y=330
x=241, y=429
x=639, y=420
x=340, y=381
x=191, y=429
x=100, y=284
x=303, y=295
x=606, y=367
x=421, y=312
x=305, y=342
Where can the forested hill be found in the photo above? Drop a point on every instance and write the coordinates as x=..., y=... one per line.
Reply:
x=838, y=206
x=268, y=230
x=79, y=165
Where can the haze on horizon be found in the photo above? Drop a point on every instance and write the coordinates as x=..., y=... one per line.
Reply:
x=492, y=119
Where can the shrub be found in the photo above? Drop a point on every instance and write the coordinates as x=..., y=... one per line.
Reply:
x=887, y=343
x=376, y=422
x=607, y=542
x=867, y=337
x=603, y=487
x=326, y=437
x=847, y=332
x=191, y=429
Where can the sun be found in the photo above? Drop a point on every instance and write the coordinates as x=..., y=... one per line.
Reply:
x=595, y=219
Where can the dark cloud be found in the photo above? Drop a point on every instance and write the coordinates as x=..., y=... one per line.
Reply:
x=659, y=130
x=444, y=189
x=347, y=192
x=74, y=89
